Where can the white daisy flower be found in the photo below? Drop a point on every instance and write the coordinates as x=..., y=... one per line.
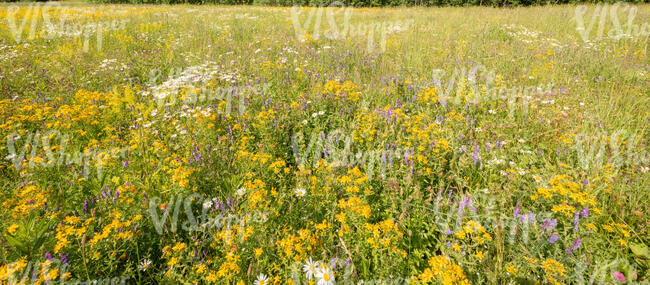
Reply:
x=262, y=280
x=304, y=122
x=492, y=111
x=314, y=115
x=241, y=191
x=310, y=268
x=321, y=113
x=300, y=192
x=644, y=169
x=145, y=264
x=207, y=204
x=325, y=276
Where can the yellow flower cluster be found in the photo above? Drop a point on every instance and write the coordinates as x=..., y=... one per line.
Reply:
x=346, y=90
x=441, y=269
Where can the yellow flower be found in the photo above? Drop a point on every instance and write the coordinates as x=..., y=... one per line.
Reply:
x=173, y=261
x=258, y=252
x=12, y=229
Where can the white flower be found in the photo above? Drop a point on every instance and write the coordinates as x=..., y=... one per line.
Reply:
x=325, y=277
x=207, y=204
x=241, y=191
x=145, y=264
x=314, y=115
x=327, y=47
x=321, y=113
x=522, y=140
x=310, y=268
x=300, y=192
x=644, y=169
x=495, y=161
x=304, y=122
x=262, y=280
x=492, y=111
x=154, y=113
x=537, y=178
x=485, y=190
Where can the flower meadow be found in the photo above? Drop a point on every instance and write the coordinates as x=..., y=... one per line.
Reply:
x=159, y=144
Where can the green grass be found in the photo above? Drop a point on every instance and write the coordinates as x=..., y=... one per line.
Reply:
x=530, y=154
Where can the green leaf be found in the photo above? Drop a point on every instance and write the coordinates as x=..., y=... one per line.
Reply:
x=640, y=250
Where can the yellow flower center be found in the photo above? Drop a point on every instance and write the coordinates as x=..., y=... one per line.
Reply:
x=311, y=267
x=326, y=277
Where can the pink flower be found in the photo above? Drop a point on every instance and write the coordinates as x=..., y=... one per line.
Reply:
x=619, y=276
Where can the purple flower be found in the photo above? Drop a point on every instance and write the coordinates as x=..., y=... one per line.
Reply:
x=576, y=245
x=585, y=212
x=553, y=239
x=64, y=258
x=516, y=213
x=576, y=219
x=48, y=256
